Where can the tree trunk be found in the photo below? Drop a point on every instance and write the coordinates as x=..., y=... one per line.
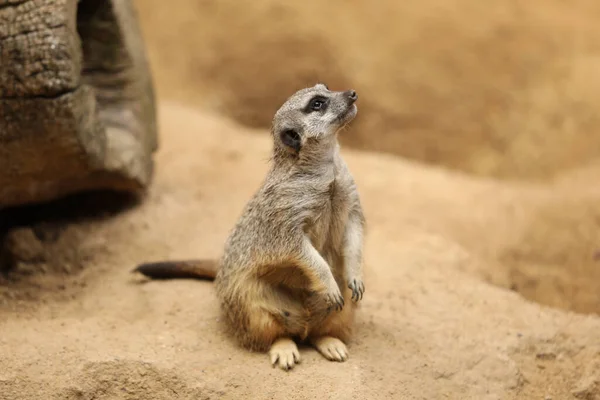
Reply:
x=77, y=107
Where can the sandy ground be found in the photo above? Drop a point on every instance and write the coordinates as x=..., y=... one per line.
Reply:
x=429, y=326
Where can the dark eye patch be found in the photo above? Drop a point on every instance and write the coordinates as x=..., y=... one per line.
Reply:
x=317, y=103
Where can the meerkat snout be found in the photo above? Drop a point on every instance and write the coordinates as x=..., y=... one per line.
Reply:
x=349, y=113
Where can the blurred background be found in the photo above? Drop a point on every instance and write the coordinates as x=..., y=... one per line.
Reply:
x=506, y=89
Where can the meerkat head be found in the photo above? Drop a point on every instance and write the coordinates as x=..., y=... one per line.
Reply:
x=311, y=117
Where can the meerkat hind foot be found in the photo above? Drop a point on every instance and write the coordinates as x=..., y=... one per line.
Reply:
x=331, y=348
x=285, y=353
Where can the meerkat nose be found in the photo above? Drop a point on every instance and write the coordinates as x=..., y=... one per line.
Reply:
x=352, y=95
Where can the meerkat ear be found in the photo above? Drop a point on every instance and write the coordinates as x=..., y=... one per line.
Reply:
x=291, y=139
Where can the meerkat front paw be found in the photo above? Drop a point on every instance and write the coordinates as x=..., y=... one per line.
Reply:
x=358, y=288
x=334, y=298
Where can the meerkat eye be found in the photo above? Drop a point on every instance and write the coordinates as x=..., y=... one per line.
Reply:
x=317, y=103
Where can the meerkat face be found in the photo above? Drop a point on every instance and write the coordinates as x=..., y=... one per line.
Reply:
x=312, y=115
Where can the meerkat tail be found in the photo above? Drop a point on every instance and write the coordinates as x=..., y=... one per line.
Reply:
x=193, y=269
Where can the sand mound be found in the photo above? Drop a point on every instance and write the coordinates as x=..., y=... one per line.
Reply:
x=429, y=326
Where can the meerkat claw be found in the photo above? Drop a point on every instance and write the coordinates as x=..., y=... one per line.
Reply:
x=336, y=305
x=358, y=289
x=340, y=303
x=335, y=301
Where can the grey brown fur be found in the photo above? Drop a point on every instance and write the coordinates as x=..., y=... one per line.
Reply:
x=292, y=266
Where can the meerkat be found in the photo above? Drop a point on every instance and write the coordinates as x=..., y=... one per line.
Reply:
x=291, y=269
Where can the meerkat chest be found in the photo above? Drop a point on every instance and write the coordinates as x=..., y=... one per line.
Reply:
x=330, y=217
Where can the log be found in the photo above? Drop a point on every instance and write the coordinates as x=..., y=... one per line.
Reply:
x=77, y=104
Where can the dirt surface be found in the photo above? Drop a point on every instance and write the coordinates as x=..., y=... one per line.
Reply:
x=429, y=327
x=478, y=286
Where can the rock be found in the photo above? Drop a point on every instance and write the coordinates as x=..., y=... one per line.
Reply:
x=76, y=100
